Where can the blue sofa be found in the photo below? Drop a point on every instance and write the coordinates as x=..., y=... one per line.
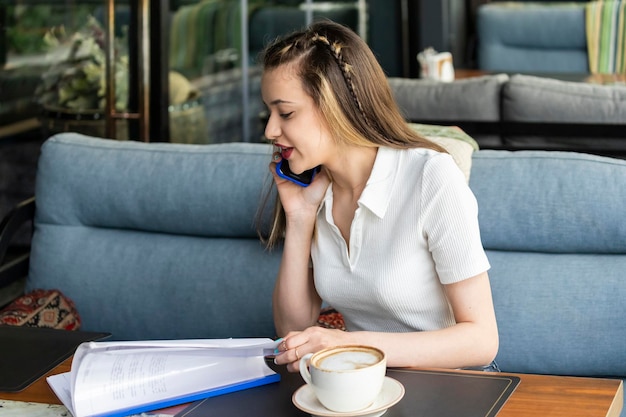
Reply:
x=158, y=241
x=532, y=37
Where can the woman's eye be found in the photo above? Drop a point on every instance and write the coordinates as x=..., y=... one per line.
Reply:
x=286, y=115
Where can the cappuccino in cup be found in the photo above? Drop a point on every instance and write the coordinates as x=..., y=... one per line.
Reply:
x=345, y=378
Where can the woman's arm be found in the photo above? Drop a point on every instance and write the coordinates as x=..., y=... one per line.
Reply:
x=472, y=341
x=296, y=303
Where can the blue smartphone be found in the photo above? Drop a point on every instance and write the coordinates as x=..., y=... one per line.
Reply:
x=304, y=179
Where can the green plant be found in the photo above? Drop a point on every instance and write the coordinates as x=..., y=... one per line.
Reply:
x=26, y=25
x=78, y=82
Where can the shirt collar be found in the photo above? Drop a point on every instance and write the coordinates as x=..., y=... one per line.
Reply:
x=377, y=192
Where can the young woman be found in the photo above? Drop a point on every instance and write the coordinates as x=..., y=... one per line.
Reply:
x=387, y=231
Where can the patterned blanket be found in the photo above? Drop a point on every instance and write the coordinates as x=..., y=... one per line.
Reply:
x=606, y=33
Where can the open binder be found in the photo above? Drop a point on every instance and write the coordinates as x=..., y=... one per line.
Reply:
x=123, y=378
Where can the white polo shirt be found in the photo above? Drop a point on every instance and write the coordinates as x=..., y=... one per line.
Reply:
x=415, y=229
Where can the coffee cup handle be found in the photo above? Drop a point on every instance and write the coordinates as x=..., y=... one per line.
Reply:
x=304, y=368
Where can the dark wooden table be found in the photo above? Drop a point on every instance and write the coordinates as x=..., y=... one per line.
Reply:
x=536, y=395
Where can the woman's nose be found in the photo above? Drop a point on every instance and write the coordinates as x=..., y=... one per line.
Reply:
x=272, y=129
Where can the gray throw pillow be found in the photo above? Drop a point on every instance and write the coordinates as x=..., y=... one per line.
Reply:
x=527, y=98
x=470, y=99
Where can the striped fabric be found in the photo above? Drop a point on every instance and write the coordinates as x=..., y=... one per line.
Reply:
x=606, y=32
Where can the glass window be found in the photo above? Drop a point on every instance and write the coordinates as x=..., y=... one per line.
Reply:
x=52, y=54
x=53, y=65
x=217, y=54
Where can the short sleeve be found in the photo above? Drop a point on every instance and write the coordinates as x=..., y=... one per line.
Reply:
x=450, y=221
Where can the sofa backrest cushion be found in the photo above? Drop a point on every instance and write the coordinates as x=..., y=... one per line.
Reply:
x=559, y=202
x=553, y=227
x=158, y=233
x=560, y=314
x=531, y=37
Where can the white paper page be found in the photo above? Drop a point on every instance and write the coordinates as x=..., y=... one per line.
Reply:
x=61, y=385
x=114, y=380
x=267, y=344
x=242, y=347
x=232, y=343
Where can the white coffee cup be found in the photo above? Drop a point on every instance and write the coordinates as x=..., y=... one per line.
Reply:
x=345, y=378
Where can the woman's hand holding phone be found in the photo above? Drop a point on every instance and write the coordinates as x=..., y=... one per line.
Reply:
x=304, y=179
x=295, y=190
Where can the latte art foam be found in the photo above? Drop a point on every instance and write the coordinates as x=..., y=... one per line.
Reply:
x=346, y=361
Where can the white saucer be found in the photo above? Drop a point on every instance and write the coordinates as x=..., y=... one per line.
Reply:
x=392, y=392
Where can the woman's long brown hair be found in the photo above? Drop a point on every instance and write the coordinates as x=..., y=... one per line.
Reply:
x=340, y=72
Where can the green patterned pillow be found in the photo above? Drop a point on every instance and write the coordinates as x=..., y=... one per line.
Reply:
x=458, y=143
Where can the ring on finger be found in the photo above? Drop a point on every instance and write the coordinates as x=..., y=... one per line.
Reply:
x=297, y=356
